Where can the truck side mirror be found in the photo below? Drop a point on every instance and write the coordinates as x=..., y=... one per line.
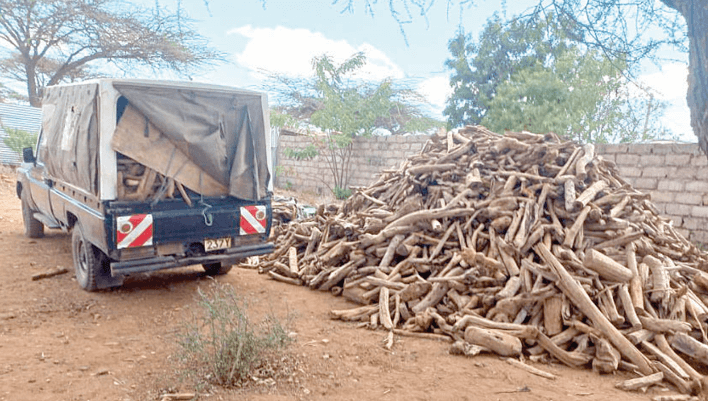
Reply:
x=27, y=155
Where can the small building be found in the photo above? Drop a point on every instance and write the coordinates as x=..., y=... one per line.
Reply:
x=16, y=116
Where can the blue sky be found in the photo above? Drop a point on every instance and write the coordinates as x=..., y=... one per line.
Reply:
x=284, y=35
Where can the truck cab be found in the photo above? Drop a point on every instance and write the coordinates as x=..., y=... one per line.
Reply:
x=150, y=175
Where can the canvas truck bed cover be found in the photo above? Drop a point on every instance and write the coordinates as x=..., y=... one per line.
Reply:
x=210, y=140
x=69, y=148
x=220, y=133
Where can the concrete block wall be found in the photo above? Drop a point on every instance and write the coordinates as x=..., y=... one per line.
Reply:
x=370, y=156
x=675, y=175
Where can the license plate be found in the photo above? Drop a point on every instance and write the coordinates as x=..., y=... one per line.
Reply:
x=218, y=243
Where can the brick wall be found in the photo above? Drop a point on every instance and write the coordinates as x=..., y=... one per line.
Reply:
x=675, y=175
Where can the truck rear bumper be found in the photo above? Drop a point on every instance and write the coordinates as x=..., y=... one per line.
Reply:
x=167, y=262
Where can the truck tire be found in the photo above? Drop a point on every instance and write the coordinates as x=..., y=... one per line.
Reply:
x=33, y=227
x=216, y=269
x=89, y=261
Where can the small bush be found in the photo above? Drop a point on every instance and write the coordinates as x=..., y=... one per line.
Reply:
x=342, y=193
x=220, y=345
x=307, y=153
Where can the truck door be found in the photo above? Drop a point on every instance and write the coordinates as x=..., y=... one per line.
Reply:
x=40, y=182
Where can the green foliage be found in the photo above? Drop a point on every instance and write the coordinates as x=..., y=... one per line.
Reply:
x=309, y=152
x=351, y=109
x=536, y=78
x=478, y=68
x=18, y=139
x=344, y=107
x=281, y=120
x=220, y=345
x=342, y=193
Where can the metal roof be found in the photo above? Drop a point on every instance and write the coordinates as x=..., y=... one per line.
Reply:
x=17, y=116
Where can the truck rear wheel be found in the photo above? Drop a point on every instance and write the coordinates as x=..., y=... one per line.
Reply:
x=89, y=261
x=216, y=269
x=33, y=227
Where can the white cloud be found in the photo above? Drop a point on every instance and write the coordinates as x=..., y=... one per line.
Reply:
x=436, y=90
x=670, y=85
x=289, y=52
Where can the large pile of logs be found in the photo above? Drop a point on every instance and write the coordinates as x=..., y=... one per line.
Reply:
x=520, y=244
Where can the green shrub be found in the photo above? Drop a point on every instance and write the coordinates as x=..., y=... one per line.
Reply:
x=18, y=139
x=301, y=154
x=220, y=345
x=342, y=193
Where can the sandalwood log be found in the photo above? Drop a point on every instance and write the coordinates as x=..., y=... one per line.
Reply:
x=584, y=160
x=498, y=341
x=415, y=291
x=292, y=257
x=531, y=369
x=512, y=286
x=607, y=358
x=340, y=273
x=277, y=277
x=607, y=299
x=436, y=294
x=660, y=279
x=664, y=325
x=552, y=319
x=384, y=309
x=428, y=336
x=572, y=233
x=590, y=193
x=569, y=195
x=391, y=250
x=606, y=267
x=628, y=306
x=636, y=288
x=641, y=382
x=688, y=345
x=572, y=359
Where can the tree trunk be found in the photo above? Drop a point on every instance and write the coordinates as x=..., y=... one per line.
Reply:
x=695, y=12
x=32, y=90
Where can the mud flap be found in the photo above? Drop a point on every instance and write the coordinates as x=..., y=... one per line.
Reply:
x=105, y=280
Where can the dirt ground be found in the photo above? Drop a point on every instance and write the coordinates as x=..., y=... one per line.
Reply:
x=58, y=342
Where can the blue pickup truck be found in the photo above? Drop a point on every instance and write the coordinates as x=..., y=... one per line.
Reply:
x=150, y=175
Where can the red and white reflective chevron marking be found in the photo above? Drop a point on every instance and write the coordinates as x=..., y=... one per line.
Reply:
x=133, y=231
x=253, y=220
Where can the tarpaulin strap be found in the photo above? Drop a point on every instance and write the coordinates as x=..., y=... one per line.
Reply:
x=208, y=217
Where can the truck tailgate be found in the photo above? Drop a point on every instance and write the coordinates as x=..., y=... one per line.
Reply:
x=173, y=221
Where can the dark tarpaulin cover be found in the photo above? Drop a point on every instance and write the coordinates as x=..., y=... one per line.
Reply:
x=70, y=135
x=222, y=132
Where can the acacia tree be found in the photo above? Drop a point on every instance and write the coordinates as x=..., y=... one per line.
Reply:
x=53, y=41
x=625, y=29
